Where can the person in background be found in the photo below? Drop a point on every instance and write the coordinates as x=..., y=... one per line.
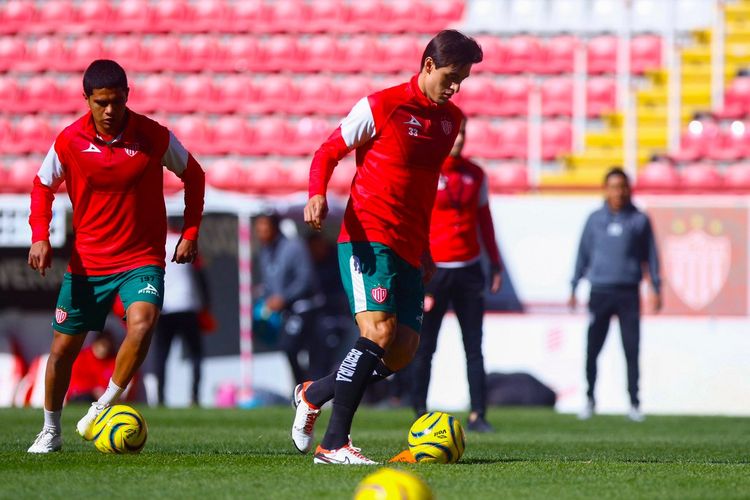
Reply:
x=93, y=368
x=288, y=287
x=186, y=302
x=460, y=216
x=617, y=242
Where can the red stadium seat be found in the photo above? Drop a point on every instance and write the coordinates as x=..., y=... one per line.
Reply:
x=737, y=98
x=210, y=16
x=508, y=178
x=696, y=141
x=54, y=17
x=409, y=17
x=274, y=94
x=20, y=175
x=327, y=16
x=645, y=53
x=133, y=16
x=319, y=53
x=243, y=53
x=601, y=96
x=281, y=53
x=16, y=16
x=83, y=52
x=400, y=54
x=271, y=136
x=232, y=136
x=11, y=95
x=172, y=16
x=558, y=55
x=737, y=177
x=289, y=16
x=96, y=16
x=32, y=135
x=233, y=94
x=71, y=96
x=298, y=174
x=12, y=53
x=249, y=16
x=369, y=16
x=315, y=94
x=41, y=94
x=443, y=14
x=481, y=139
x=266, y=177
x=700, y=177
x=194, y=93
x=557, y=96
x=557, y=139
x=602, y=54
x=523, y=54
x=512, y=140
x=350, y=91
x=44, y=54
x=731, y=144
x=6, y=135
x=194, y=133
x=171, y=183
x=494, y=55
x=155, y=93
x=479, y=96
x=162, y=53
x=514, y=96
x=359, y=53
x=126, y=50
x=202, y=53
x=657, y=176
x=306, y=135
x=226, y=174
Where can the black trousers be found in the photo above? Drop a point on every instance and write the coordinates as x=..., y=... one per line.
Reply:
x=184, y=324
x=462, y=288
x=298, y=334
x=623, y=302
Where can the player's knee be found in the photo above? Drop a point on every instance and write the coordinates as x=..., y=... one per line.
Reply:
x=381, y=332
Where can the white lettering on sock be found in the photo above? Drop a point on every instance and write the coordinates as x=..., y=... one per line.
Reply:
x=347, y=367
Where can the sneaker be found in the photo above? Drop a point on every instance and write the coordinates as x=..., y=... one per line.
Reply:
x=85, y=426
x=47, y=441
x=304, y=419
x=587, y=412
x=479, y=424
x=636, y=415
x=346, y=455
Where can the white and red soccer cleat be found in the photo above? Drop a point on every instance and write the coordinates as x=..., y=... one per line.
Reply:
x=304, y=419
x=346, y=455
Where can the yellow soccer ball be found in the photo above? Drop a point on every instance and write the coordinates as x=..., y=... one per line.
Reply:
x=120, y=429
x=437, y=437
x=387, y=484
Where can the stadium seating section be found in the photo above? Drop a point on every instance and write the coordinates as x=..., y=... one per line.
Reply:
x=253, y=86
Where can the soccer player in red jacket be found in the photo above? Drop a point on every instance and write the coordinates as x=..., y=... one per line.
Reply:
x=111, y=160
x=401, y=136
x=461, y=207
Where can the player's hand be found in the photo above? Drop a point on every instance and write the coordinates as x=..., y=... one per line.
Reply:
x=185, y=252
x=316, y=210
x=40, y=256
x=275, y=303
x=656, y=302
x=572, y=301
x=497, y=281
x=428, y=267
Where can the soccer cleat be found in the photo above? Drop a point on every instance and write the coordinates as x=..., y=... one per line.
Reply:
x=479, y=424
x=85, y=426
x=304, y=419
x=587, y=412
x=47, y=441
x=346, y=455
x=636, y=415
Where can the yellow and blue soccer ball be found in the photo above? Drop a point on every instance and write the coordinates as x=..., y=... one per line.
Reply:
x=388, y=484
x=120, y=429
x=437, y=437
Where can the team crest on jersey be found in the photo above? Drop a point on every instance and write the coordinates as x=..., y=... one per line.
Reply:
x=131, y=150
x=60, y=315
x=447, y=126
x=379, y=293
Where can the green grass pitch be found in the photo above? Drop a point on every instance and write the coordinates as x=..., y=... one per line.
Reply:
x=194, y=453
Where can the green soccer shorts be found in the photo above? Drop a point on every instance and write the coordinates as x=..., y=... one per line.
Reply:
x=85, y=301
x=376, y=279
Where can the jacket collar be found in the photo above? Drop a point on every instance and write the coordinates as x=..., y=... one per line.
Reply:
x=419, y=96
x=126, y=136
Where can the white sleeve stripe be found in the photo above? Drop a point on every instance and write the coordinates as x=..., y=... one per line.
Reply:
x=484, y=197
x=176, y=156
x=359, y=125
x=52, y=172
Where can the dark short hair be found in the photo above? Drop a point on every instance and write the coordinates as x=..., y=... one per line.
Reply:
x=104, y=74
x=451, y=47
x=614, y=172
x=271, y=216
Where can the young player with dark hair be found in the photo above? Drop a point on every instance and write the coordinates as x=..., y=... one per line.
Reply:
x=111, y=160
x=401, y=136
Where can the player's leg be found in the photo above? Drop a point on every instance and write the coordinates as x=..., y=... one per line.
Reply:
x=600, y=311
x=438, y=292
x=165, y=332
x=629, y=315
x=142, y=294
x=468, y=303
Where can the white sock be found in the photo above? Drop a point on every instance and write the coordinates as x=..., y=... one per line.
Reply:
x=52, y=419
x=111, y=394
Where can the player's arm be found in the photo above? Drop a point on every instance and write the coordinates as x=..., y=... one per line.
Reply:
x=487, y=232
x=582, y=260
x=355, y=130
x=51, y=174
x=181, y=162
x=653, y=266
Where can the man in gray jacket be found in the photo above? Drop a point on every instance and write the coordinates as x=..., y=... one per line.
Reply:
x=288, y=284
x=617, y=242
